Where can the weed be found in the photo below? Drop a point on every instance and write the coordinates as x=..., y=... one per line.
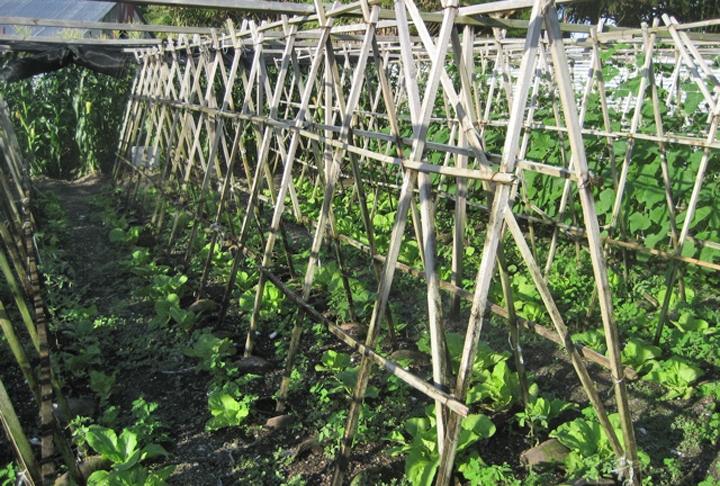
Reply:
x=146, y=425
x=540, y=411
x=8, y=474
x=102, y=384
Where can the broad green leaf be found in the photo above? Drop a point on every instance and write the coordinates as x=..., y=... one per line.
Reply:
x=153, y=450
x=417, y=425
x=638, y=222
x=334, y=361
x=98, y=478
x=420, y=469
x=117, y=235
x=104, y=441
x=688, y=323
x=637, y=352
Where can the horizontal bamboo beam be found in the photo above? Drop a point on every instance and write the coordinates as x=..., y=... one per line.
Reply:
x=394, y=368
x=590, y=354
x=129, y=27
x=127, y=43
x=238, y=5
x=500, y=6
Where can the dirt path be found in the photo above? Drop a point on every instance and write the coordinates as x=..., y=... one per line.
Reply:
x=94, y=265
x=150, y=363
x=86, y=247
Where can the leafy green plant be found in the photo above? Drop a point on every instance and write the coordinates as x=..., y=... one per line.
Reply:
x=329, y=277
x=163, y=286
x=80, y=363
x=677, y=375
x=480, y=474
x=146, y=426
x=345, y=375
x=211, y=350
x=590, y=456
x=141, y=264
x=496, y=390
x=102, y=384
x=687, y=322
x=126, y=236
x=638, y=354
x=273, y=299
x=422, y=458
x=126, y=455
x=8, y=474
x=226, y=411
x=167, y=291
x=593, y=339
x=485, y=358
x=137, y=476
x=540, y=411
x=168, y=309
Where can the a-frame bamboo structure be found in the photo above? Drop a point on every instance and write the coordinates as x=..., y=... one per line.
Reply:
x=356, y=103
x=314, y=100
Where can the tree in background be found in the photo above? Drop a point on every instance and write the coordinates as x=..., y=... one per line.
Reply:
x=631, y=13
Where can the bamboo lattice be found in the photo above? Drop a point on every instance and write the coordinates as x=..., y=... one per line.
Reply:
x=382, y=106
x=453, y=124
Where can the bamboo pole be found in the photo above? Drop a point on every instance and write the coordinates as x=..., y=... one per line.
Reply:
x=612, y=337
x=19, y=353
x=494, y=230
x=29, y=467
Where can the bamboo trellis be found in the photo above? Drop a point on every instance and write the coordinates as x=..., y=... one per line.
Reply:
x=20, y=273
x=358, y=107
x=358, y=103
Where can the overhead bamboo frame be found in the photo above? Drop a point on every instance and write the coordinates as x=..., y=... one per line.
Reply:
x=368, y=102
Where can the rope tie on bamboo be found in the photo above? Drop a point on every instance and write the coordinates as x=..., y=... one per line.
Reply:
x=618, y=381
x=517, y=349
x=625, y=466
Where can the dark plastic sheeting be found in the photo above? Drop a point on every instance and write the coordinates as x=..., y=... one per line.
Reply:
x=106, y=60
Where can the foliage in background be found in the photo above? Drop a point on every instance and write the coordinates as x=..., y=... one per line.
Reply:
x=67, y=121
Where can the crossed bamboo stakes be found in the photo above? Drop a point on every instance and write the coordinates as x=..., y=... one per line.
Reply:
x=295, y=108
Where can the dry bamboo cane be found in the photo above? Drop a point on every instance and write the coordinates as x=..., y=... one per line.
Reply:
x=47, y=419
x=663, y=157
x=17, y=255
x=30, y=469
x=19, y=353
x=280, y=202
x=630, y=458
x=465, y=54
x=19, y=300
x=494, y=230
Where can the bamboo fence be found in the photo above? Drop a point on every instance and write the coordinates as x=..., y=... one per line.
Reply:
x=19, y=269
x=453, y=123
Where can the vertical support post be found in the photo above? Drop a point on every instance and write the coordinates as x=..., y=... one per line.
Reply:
x=592, y=230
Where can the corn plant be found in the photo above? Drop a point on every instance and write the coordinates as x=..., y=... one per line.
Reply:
x=67, y=121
